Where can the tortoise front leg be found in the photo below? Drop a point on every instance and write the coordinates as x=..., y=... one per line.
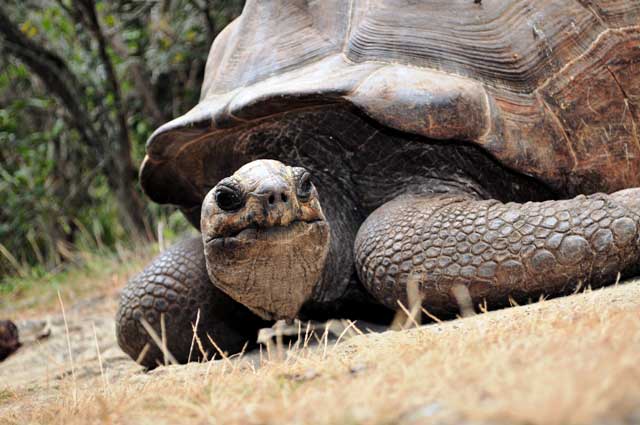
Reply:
x=496, y=250
x=173, y=288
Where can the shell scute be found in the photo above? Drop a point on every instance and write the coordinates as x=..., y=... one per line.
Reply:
x=549, y=88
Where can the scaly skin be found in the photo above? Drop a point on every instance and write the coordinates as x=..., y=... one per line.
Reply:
x=496, y=250
x=266, y=244
x=175, y=284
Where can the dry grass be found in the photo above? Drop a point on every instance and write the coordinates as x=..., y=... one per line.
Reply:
x=92, y=274
x=567, y=361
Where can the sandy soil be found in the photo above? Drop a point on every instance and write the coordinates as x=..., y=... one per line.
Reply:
x=568, y=360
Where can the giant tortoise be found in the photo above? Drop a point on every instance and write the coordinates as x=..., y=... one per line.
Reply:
x=491, y=145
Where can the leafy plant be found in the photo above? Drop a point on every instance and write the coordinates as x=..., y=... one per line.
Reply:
x=83, y=83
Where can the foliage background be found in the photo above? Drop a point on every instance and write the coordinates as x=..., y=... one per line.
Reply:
x=83, y=83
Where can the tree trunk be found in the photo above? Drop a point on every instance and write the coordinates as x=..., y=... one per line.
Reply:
x=126, y=176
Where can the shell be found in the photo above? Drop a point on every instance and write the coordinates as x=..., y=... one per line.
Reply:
x=551, y=88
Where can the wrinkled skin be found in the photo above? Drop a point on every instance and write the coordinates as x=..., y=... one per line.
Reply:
x=266, y=238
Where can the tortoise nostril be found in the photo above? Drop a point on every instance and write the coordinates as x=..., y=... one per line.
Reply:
x=272, y=194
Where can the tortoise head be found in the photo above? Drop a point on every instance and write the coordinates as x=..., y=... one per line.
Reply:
x=266, y=238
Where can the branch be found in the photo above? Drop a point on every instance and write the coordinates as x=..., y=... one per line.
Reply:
x=90, y=18
x=64, y=7
x=210, y=21
x=63, y=84
x=140, y=74
x=54, y=73
x=136, y=67
x=125, y=175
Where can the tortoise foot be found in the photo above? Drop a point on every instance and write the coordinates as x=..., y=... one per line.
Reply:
x=497, y=250
x=167, y=298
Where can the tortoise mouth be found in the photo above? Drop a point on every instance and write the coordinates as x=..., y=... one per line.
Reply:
x=256, y=233
x=271, y=270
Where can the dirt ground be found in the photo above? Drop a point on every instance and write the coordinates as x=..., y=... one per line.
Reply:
x=563, y=361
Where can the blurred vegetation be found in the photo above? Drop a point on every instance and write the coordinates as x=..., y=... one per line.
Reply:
x=83, y=83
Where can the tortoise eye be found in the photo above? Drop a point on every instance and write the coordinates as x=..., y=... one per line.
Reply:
x=228, y=198
x=304, y=186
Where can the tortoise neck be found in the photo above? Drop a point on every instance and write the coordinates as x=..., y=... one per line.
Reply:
x=344, y=216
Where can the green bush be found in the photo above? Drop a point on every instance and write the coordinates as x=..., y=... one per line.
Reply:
x=55, y=194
